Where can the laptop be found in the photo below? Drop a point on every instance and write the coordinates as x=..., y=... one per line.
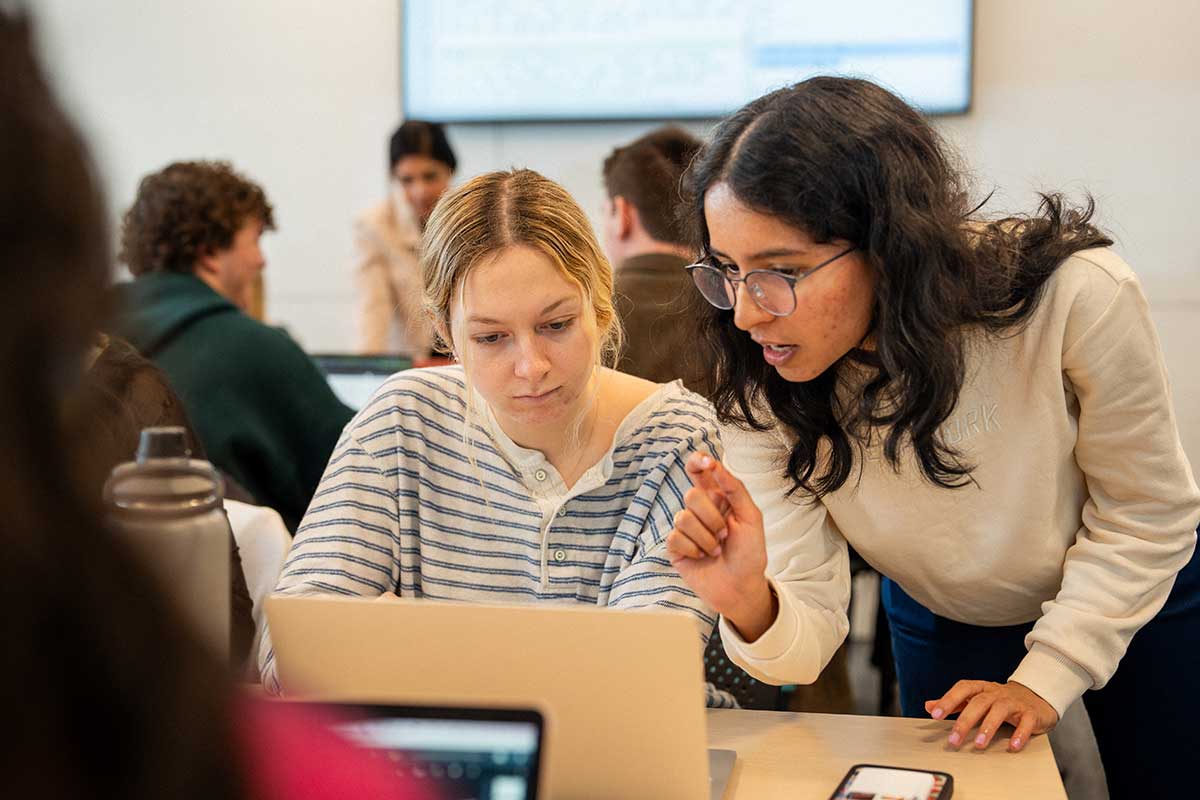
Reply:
x=354, y=378
x=466, y=753
x=621, y=692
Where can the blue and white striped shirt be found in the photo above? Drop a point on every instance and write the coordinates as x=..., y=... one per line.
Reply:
x=412, y=504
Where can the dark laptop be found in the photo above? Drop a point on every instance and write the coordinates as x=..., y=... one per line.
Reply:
x=467, y=753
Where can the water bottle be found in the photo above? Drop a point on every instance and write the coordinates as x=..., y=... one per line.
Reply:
x=168, y=506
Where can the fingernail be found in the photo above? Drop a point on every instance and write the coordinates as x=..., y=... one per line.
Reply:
x=721, y=534
x=716, y=551
x=937, y=713
x=1015, y=744
x=955, y=739
x=980, y=740
x=705, y=462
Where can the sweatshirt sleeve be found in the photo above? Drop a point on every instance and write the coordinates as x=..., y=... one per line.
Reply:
x=1140, y=518
x=807, y=565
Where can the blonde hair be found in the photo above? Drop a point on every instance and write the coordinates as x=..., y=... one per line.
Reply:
x=515, y=208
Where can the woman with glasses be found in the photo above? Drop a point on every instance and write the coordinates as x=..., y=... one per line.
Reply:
x=980, y=408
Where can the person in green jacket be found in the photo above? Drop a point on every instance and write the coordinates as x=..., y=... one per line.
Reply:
x=260, y=405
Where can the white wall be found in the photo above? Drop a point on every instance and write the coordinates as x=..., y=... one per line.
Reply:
x=1075, y=94
x=299, y=94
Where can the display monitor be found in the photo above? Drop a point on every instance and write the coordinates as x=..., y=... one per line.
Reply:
x=548, y=60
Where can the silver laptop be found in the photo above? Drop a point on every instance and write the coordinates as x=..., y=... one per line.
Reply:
x=621, y=692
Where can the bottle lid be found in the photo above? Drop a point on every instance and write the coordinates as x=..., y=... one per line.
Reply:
x=164, y=442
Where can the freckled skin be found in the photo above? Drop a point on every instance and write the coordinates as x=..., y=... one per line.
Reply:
x=833, y=306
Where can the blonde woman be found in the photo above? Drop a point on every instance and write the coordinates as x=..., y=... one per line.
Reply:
x=528, y=472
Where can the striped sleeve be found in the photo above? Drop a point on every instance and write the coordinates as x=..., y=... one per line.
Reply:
x=649, y=580
x=349, y=541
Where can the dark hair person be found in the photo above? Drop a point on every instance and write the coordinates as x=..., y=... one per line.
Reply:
x=105, y=691
x=388, y=237
x=107, y=696
x=649, y=249
x=980, y=408
x=645, y=174
x=192, y=209
x=122, y=393
x=262, y=408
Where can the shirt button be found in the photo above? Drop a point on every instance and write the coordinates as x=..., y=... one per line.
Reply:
x=562, y=512
x=560, y=555
x=540, y=475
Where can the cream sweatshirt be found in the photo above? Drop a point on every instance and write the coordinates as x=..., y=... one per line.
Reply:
x=1082, y=511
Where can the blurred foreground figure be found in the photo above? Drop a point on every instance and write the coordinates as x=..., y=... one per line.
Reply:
x=104, y=690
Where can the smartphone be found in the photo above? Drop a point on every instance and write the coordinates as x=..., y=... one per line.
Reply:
x=875, y=782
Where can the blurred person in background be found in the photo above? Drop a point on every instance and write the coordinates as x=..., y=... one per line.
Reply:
x=106, y=691
x=388, y=236
x=261, y=407
x=649, y=250
x=122, y=394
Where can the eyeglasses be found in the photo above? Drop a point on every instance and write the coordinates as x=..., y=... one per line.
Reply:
x=773, y=292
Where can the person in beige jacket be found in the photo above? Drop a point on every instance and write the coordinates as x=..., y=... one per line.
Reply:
x=388, y=236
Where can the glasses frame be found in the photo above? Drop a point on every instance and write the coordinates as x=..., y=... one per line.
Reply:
x=792, y=280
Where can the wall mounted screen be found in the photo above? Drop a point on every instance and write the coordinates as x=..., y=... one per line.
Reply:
x=522, y=60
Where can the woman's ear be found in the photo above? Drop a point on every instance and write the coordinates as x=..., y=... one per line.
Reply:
x=443, y=333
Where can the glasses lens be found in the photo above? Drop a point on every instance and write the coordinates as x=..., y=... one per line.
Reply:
x=772, y=292
x=712, y=284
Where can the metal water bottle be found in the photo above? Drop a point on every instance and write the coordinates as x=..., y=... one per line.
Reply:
x=169, y=507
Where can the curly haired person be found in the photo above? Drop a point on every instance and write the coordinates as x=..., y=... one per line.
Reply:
x=260, y=406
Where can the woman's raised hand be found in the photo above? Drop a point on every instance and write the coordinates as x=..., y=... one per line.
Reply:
x=719, y=549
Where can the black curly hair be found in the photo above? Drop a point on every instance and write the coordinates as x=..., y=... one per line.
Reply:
x=842, y=158
x=186, y=210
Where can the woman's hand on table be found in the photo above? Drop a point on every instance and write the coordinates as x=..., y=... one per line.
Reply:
x=718, y=547
x=989, y=705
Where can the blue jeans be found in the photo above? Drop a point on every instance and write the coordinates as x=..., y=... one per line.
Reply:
x=1142, y=717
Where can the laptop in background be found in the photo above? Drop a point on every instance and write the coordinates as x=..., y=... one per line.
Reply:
x=354, y=378
x=622, y=692
x=467, y=753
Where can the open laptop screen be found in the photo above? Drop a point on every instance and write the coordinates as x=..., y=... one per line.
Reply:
x=477, y=754
x=354, y=378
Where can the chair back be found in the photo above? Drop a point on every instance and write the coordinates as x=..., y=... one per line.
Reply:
x=746, y=689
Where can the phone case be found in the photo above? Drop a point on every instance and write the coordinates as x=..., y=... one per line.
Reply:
x=942, y=789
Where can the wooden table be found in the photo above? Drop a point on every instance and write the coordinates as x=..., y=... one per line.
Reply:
x=804, y=756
